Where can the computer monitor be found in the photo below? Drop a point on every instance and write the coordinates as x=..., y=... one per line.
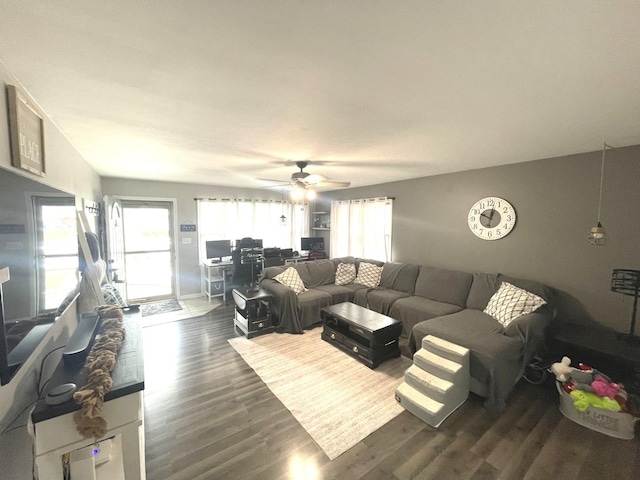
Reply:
x=312, y=244
x=218, y=249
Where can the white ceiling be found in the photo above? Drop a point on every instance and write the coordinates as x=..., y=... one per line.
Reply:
x=225, y=92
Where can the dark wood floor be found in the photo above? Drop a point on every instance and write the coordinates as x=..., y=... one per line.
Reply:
x=209, y=416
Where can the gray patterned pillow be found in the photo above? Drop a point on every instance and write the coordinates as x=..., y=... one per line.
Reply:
x=112, y=295
x=291, y=279
x=368, y=275
x=511, y=302
x=345, y=273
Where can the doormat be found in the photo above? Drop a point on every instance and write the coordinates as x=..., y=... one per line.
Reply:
x=163, y=306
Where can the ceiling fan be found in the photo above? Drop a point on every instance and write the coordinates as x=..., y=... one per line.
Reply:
x=303, y=182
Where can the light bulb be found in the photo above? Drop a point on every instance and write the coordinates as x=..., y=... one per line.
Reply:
x=310, y=194
x=598, y=235
x=297, y=194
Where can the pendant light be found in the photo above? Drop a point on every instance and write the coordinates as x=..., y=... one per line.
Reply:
x=598, y=235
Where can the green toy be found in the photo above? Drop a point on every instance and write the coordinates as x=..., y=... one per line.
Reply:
x=583, y=400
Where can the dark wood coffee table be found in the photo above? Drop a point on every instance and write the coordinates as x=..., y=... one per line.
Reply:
x=368, y=336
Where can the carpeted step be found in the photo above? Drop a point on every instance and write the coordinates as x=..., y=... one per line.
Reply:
x=420, y=405
x=435, y=387
x=446, y=349
x=439, y=366
x=438, y=381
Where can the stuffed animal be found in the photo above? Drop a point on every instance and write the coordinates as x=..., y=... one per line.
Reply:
x=604, y=388
x=571, y=378
x=583, y=400
x=562, y=369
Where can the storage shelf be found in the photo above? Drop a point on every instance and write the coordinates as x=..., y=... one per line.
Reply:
x=320, y=228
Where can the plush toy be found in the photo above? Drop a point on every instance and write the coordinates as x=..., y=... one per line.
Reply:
x=583, y=400
x=562, y=369
x=571, y=378
x=604, y=388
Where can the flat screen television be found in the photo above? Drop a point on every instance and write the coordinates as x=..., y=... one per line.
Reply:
x=312, y=244
x=218, y=249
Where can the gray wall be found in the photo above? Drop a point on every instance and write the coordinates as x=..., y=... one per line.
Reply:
x=556, y=202
x=188, y=267
x=66, y=171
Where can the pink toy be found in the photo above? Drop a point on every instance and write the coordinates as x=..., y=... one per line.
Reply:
x=604, y=388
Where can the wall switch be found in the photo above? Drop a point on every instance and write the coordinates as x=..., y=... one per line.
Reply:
x=186, y=241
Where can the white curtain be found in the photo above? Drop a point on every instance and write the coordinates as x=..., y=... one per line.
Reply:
x=232, y=219
x=362, y=228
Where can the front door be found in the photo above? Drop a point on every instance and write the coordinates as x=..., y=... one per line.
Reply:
x=148, y=250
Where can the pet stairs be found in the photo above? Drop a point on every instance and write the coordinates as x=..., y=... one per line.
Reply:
x=438, y=381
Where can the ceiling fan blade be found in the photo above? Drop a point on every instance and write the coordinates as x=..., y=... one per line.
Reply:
x=274, y=183
x=294, y=163
x=328, y=183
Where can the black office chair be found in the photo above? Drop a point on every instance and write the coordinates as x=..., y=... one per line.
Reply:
x=245, y=273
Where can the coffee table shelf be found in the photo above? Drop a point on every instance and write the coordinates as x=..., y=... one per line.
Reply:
x=368, y=336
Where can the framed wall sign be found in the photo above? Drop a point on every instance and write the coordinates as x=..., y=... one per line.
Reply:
x=26, y=129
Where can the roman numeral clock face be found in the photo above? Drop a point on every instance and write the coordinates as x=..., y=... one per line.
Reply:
x=492, y=218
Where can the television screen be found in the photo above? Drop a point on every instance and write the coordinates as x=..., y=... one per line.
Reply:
x=218, y=249
x=312, y=243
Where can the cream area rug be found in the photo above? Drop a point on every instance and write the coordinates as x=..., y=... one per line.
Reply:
x=337, y=400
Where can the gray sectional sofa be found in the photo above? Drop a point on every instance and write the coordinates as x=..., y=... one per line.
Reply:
x=429, y=301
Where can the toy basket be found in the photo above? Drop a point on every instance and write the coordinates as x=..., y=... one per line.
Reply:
x=614, y=424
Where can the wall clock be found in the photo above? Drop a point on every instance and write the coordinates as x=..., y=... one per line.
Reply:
x=492, y=218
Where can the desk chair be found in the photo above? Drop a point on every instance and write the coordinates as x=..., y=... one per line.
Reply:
x=245, y=272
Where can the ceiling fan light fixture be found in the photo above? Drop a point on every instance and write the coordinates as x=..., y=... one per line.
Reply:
x=310, y=194
x=297, y=193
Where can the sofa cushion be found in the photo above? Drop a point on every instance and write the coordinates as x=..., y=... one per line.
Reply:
x=345, y=273
x=339, y=293
x=368, y=275
x=483, y=286
x=389, y=274
x=511, y=302
x=271, y=272
x=448, y=286
x=414, y=309
x=368, y=260
x=291, y=279
x=321, y=272
x=338, y=261
x=303, y=271
x=381, y=299
x=406, y=279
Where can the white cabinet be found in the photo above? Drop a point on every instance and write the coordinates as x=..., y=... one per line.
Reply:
x=214, y=279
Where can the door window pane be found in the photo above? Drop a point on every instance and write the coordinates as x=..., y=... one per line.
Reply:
x=148, y=274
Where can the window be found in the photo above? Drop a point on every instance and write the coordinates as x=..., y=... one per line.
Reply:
x=228, y=219
x=57, y=249
x=362, y=228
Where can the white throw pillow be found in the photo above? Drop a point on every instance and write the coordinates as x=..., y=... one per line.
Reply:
x=345, y=273
x=368, y=275
x=291, y=279
x=511, y=302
